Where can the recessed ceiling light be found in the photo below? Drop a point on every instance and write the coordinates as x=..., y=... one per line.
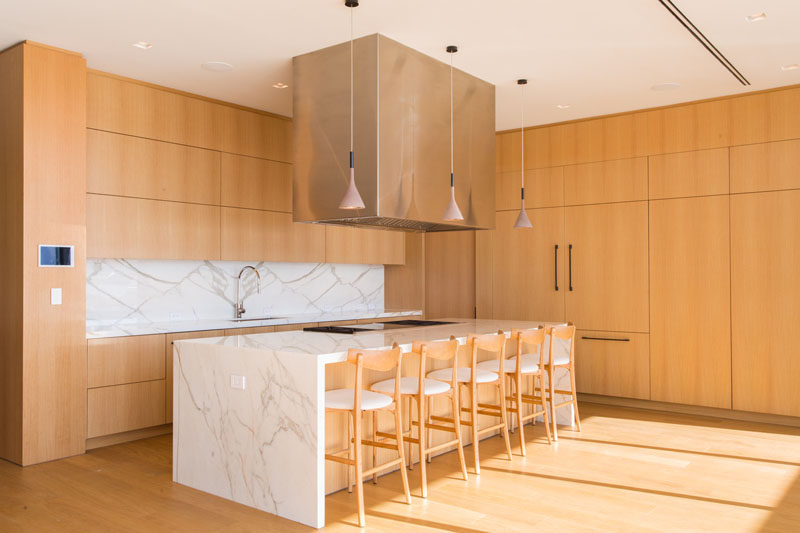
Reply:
x=144, y=45
x=756, y=17
x=668, y=86
x=279, y=85
x=217, y=66
x=794, y=66
x=563, y=106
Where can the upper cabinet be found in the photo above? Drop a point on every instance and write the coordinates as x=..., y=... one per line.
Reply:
x=765, y=167
x=544, y=188
x=621, y=180
x=366, y=246
x=256, y=183
x=685, y=174
x=252, y=235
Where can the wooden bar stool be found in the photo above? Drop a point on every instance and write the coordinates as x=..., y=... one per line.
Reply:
x=357, y=401
x=526, y=362
x=471, y=377
x=422, y=390
x=553, y=362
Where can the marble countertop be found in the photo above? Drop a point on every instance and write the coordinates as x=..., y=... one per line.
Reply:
x=153, y=328
x=332, y=347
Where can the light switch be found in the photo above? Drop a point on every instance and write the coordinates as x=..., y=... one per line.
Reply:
x=237, y=382
x=55, y=296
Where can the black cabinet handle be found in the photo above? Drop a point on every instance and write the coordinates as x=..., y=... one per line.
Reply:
x=604, y=339
x=555, y=255
x=570, y=267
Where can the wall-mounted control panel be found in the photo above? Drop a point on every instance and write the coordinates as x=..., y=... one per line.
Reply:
x=56, y=256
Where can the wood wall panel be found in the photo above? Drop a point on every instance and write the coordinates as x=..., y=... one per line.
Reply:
x=764, y=117
x=125, y=407
x=450, y=274
x=404, y=285
x=126, y=106
x=364, y=246
x=168, y=363
x=688, y=127
x=612, y=367
x=690, y=330
x=484, y=274
x=621, y=180
x=765, y=167
x=544, y=187
x=151, y=229
x=698, y=173
x=256, y=183
x=131, y=166
x=120, y=360
x=765, y=289
x=508, y=156
x=249, y=235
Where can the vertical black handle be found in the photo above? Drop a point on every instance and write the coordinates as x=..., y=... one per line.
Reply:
x=570, y=267
x=555, y=256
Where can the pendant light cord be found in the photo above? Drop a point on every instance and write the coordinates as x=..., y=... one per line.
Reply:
x=452, y=179
x=522, y=137
x=351, y=87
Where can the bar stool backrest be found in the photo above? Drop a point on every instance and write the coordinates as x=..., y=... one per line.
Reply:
x=379, y=360
x=566, y=333
x=490, y=342
x=441, y=350
x=530, y=337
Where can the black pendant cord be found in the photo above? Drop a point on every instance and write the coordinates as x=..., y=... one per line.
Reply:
x=351, y=5
x=522, y=83
x=451, y=50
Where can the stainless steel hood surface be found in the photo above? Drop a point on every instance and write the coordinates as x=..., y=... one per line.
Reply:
x=401, y=138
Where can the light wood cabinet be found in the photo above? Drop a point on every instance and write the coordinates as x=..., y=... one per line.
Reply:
x=404, y=285
x=364, y=246
x=125, y=407
x=765, y=166
x=134, y=228
x=295, y=327
x=528, y=266
x=256, y=183
x=143, y=168
x=683, y=128
x=450, y=274
x=249, y=331
x=698, y=173
x=167, y=357
x=608, y=286
x=120, y=360
x=764, y=117
x=612, y=364
x=607, y=181
x=544, y=187
x=250, y=235
x=765, y=297
x=690, y=332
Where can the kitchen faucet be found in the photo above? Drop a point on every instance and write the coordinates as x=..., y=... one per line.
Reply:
x=239, y=305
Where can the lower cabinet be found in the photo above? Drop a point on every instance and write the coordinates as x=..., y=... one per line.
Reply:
x=613, y=364
x=120, y=408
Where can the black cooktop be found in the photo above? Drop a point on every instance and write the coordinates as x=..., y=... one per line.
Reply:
x=377, y=326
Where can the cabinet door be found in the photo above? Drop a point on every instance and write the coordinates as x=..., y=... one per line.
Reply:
x=606, y=181
x=120, y=360
x=608, y=288
x=172, y=337
x=612, y=364
x=529, y=266
x=690, y=350
x=765, y=296
x=364, y=246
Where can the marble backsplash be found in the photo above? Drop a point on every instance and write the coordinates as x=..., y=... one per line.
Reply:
x=127, y=291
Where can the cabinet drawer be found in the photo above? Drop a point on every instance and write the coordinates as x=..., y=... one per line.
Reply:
x=608, y=364
x=125, y=407
x=249, y=331
x=125, y=360
x=295, y=327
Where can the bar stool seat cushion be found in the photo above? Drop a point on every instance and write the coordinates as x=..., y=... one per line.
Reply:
x=410, y=385
x=530, y=364
x=560, y=360
x=344, y=398
x=463, y=375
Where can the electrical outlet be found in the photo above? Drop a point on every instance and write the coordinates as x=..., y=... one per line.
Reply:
x=238, y=382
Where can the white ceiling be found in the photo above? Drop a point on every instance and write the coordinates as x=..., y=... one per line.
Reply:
x=597, y=56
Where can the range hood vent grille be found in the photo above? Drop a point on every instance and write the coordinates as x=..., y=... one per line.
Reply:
x=403, y=224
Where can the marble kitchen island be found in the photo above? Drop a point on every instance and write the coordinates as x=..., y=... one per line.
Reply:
x=249, y=413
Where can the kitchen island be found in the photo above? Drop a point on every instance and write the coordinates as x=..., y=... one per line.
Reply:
x=249, y=412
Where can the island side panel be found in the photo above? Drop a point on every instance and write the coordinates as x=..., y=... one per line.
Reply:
x=258, y=446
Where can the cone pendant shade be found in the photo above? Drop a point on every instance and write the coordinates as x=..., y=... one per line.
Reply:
x=522, y=219
x=452, y=212
x=352, y=198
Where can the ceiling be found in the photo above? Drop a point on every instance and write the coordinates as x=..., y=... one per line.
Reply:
x=598, y=57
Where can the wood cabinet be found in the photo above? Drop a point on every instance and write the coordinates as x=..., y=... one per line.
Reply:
x=116, y=361
x=134, y=228
x=250, y=235
x=450, y=274
x=143, y=168
x=168, y=359
x=249, y=331
x=690, y=332
x=683, y=128
x=528, y=267
x=295, y=327
x=256, y=183
x=765, y=167
x=766, y=116
x=765, y=297
x=404, y=285
x=125, y=407
x=612, y=364
x=364, y=246
x=621, y=180
x=698, y=173
x=544, y=187
x=608, y=286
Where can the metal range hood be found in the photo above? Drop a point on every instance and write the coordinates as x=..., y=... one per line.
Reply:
x=402, y=138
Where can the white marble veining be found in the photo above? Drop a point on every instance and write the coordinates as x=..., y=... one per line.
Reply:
x=264, y=446
x=127, y=292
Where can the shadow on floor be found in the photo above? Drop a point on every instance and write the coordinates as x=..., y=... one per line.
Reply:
x=786, y=516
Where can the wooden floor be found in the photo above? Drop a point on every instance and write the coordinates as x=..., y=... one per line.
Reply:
x=629, y=470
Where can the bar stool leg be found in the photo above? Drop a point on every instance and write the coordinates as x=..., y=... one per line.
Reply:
x=423, y=444
x=358, y=467
x=374, y=449
x=519, y=417
x=456, y=403
x=574, y=397
x=473, y=398
x=349, y=433
x=429, y=411
x=545, y=413
x=398, y=424
x=551, y=384
x=504, y=415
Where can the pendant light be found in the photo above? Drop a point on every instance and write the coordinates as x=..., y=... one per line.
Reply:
x=352, y=198
x=522, y=219
x=452, y=212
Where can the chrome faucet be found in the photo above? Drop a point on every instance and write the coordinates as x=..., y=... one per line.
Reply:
x=239, y=305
